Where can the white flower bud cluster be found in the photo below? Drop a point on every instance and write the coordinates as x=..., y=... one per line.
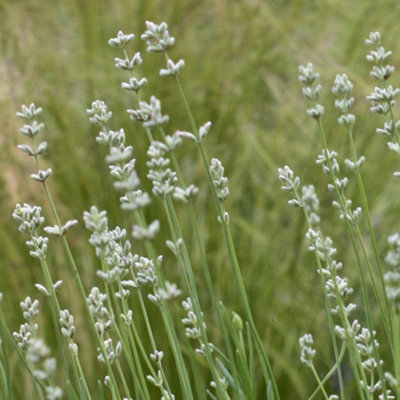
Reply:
x=307, y=78
x=100, y=313
x=383, y=99
x=31, y=129
x=157, y=378
x=341, y=89
x=30, y=219
x=99, y=113
x=149, y=113
x=36, y=352
x=157, y=37
x=193, y=328
x=162, y=177
x=392, y=277
x=220, y=181
x=307, y=352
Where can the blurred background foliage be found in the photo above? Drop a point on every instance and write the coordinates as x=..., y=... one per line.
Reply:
x=241, y=74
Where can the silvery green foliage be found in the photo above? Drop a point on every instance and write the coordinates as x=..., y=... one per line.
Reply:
x=67, y=323
x=307, y=78
x=392, y=277
x=121, y=40
x=173, y=69
x=219, y=180
x=99, y=113
x=157, y=37
x=342, y=88
x=100, y=313
x=307, y=352
x=149, y=113
x=162, y=177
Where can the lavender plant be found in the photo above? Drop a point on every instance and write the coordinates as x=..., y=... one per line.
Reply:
x=135, y=287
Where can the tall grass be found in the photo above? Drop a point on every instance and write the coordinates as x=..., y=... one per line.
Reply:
x=255, y=106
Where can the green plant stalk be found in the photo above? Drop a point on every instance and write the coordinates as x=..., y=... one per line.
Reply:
x=5, y=360
x=73, y=266
x=326, y=301
x=396, y=337
x=265, y=363
x=132, y=342
x=370, y=227
x=39, y=386
x=354, y=245
x=319, y=381
x=55, y=310
x=167, y=320
x=330, y=372
x=123, y=336
x=187, y=270
x=204, y=263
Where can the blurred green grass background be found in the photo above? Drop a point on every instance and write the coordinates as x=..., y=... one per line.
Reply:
x=241, y=73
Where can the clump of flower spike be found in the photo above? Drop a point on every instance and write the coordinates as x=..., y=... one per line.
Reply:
x=193, y=329
x=220, y=181
x=392, y=277
x=121, y=41
x=149, y=113
x=30, y=219
x=36, y=352
x=307, y=78
x=337, y=288
x=31, y=129
x=162, y=177
x=158, y=378
x=342, y=89
x=383, y=99
x=157, y=37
